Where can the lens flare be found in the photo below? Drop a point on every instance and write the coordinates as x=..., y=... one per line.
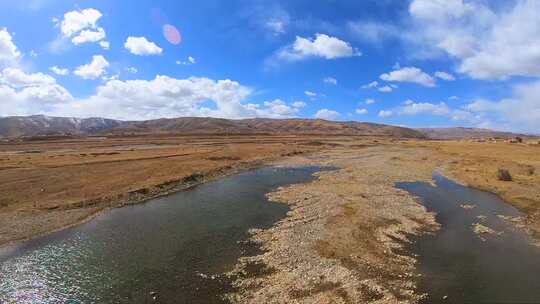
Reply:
x=172, y=34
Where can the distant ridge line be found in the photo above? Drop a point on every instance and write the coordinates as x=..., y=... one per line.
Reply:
x=41, y=125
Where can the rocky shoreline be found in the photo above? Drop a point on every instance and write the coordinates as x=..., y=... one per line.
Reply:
x=342, y=241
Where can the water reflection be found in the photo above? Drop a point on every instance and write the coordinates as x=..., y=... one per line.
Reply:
x=166, y=249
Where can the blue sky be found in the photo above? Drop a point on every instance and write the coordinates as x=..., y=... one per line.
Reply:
x=418, y=63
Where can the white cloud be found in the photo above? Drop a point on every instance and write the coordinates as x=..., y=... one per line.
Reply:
x=373, y=32
x=111, y=77
x=18, y=79
x=142, y=47
x=105, y=45
x=299, y=104
x=453, y=98
x=270, y=16
x=170, y=97
x=8, y=50
x=441, y=109
x=490, y=42
x=330, y=80
x=59, y=71
x=385, y=113
x=361, y=111
x=28, y=94
x=76, y=21
x=190, y=60
x=25, y=94
x=322, y=45
x=369, y=101
x=413, y=108
x=386, y=89
x=94, y=69
x=81, y=26
x=310, y=94
x=327, y=114
x=520, y=112
x=132, y=70
x=370, y=85
x=278, y=109
x=409, y=74
x=445, y=76
x=89, y=36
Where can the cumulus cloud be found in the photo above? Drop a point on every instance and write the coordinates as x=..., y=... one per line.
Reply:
x=82, y=27
x=385, y=89
x=76, y=21
x=24, y=94
x=142, y=47
x=310, y=94
x=59, y=71
x=441, y=109
x=327, y=114
x=330, y=80
x=413, y=108
x=277, y=109
x=89, y=36
x=8, y=50
x=361, y=111
x=94, y=69
x=385, y=113
x=299, y=104
x=190, y=60
x=444, y=76
x=519, y=112
x=164, y=96
x=132, y=70
x=369, y=101
x=409, y=74
x=16, y=78
x=105, y=45
x=490, y=42
x=322, y=46
x=370, y=85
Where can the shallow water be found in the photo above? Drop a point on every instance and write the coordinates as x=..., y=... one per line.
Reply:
x=464, y=267
x=167, y=248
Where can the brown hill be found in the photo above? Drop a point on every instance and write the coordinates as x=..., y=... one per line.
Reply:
x=43, y=125
x=199, y=125
x=39, y=125
x=460, y=133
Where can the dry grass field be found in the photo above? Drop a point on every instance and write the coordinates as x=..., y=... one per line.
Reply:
x=49, y=184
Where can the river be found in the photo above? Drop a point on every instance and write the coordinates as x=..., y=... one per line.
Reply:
x=167, y=250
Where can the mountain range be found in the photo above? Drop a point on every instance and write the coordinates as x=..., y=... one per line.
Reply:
x=41, y=125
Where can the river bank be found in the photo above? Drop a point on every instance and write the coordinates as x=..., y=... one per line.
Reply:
x=342, y=240
x=51, y=185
